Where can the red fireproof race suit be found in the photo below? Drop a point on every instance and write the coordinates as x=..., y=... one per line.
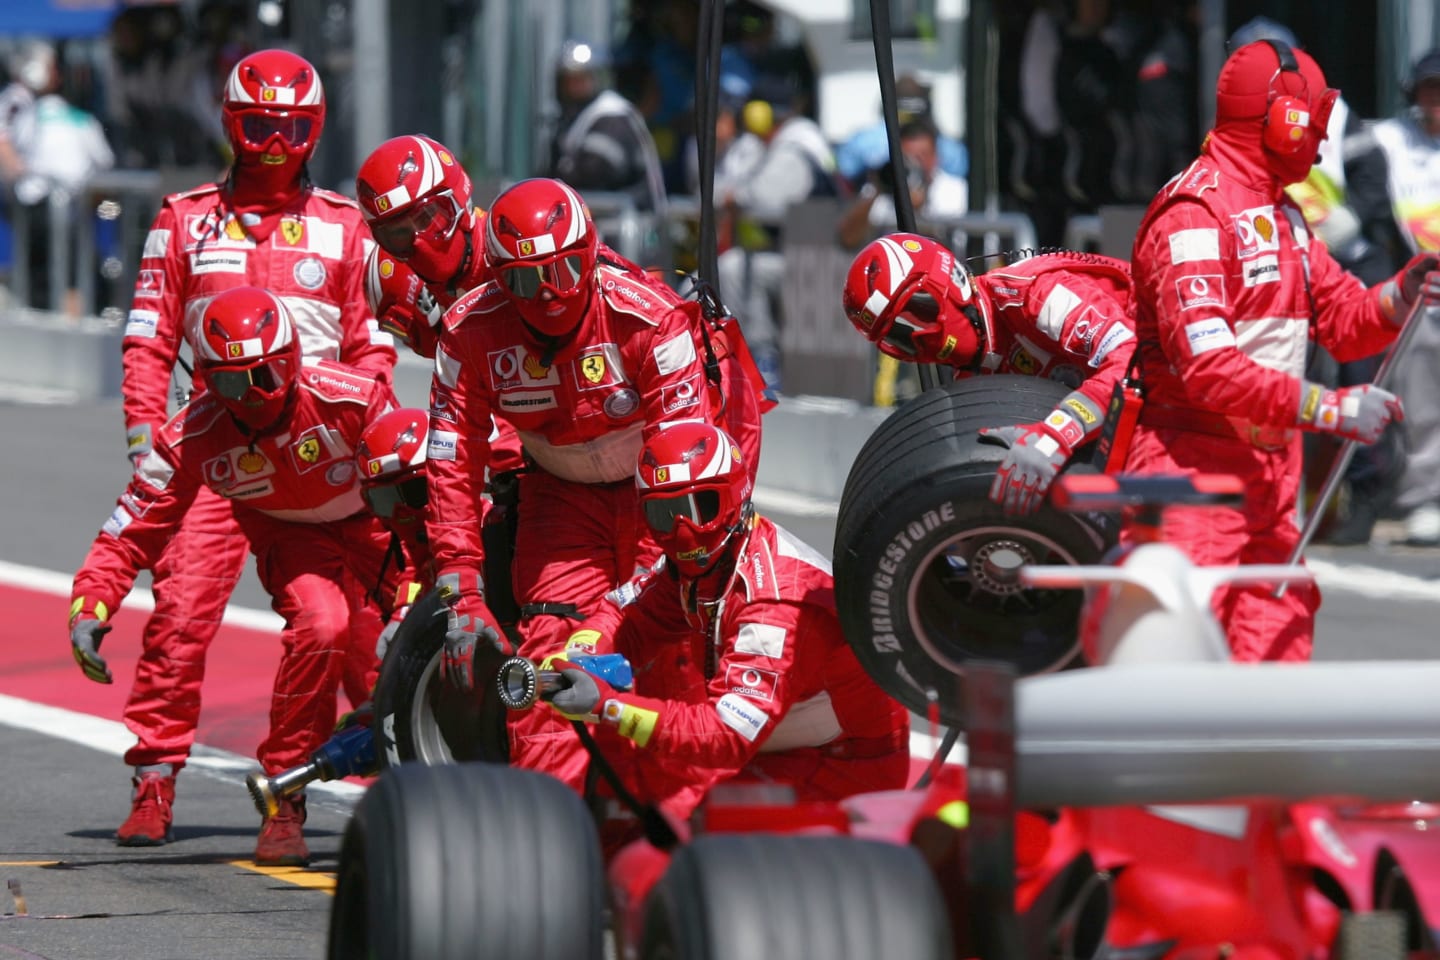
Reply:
x=314, y=261
x=758, y=686
x=1064, y=316
x=630, y=366
x=297, y=504
x=1229, y=287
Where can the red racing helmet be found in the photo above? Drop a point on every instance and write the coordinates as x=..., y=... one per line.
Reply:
x=695, y=492
x=909, y=296
x=391, y=458
x=248, y=354
x=541, y=246
x=400, y=301
x=273, y=109
x=418, y=202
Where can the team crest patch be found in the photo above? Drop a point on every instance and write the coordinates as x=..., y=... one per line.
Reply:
x=527, y=248
x=292, y=229
x=593, y=367
x=235, y=349
x=308, y=450
x=1024, y=364
x=662, y=475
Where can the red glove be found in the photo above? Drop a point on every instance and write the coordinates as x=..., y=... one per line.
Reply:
x=1418, y=278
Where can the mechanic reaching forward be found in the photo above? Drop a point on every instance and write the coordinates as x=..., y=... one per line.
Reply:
x=585, y=360
x=276, y=437
x=1230, y=286
x=1061, y=315
x=264, y=224
x=740, y=666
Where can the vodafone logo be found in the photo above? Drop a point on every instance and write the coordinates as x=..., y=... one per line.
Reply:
x=1200, y=290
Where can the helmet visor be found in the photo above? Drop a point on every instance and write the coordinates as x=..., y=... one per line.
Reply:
x=412, y=492
x=293, y=128
x=917, y=316
x=700, y=508
x=433, y=218
x=234, y=384
x=561, y=275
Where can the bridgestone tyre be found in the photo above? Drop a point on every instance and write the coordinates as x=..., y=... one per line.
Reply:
x=925, y=564
x=795, y=898
x=418, y=718
x=443, y=863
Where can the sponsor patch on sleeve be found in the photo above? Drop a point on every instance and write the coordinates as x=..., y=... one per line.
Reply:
x=678, y=396
x=1209, y=334
x=142, y=323
x=1058, y=306
x=447, y=368
x=752, y=682
x=156, y=243
x=119, y=519
x=1188, y=246
x=761, y=639
x=1115, y=336
x=1200, y=290
x=677, y=353
x=741, y=715
x=441, y=445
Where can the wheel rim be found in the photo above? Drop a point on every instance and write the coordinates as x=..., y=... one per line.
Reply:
x=431, y=746
x=966, y=602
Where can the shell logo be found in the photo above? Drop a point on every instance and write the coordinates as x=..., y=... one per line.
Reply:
x=912, y=245
x=387, y=269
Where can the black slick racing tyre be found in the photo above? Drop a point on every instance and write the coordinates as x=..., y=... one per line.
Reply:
x=418, y=718
x=795, y=898
x=443, y=863
x=926, y=567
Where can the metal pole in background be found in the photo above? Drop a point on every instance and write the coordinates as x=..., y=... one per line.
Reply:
x=1212, y=57
x=371, y=79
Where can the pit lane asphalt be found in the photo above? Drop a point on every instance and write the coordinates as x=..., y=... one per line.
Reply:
x=63, y=466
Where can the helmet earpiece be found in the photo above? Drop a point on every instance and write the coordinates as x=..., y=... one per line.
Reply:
x=1287, y=118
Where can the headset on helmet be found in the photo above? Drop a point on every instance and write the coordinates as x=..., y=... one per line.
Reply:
x=391, y=458
x=1287, y=118
x=248, y=353
x=695, y=492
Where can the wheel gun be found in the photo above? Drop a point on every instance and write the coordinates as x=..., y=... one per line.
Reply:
x=349, y=753
x=521, y=683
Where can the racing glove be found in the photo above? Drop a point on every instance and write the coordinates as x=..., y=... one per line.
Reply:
x=382, y=643
x=87, y=630
x=1420, y=277
x=1360, y=413
x=589, y=698
x=1039, y=451
x=470, y=622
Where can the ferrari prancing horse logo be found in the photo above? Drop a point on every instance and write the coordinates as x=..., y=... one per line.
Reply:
x=309, y=450
x=593, y=367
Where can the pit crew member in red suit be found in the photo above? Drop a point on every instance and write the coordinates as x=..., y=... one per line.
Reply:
x=418, y=202
x=1230, y=286
x=391, y=460
x=758, y=682
x=275, y=436
x=1060, y=315
x=264, y=224
x=585, y=361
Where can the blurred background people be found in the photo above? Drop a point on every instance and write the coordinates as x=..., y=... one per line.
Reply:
x=935, y=194
x=868, y=149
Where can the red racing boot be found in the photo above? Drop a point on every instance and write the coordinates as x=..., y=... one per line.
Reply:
x=282, y=841
x=150, y=808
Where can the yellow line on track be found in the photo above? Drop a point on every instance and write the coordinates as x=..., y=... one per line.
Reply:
x=300, y=876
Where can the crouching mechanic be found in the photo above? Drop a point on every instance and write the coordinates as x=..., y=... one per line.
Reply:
x=278, y=439
x=1061, y=315
x=740, y=667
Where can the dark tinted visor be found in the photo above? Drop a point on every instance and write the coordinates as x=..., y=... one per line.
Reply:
x=700, y=508
x=294, y=128
x=526, y=281
x=234, y=384
x=412, y=492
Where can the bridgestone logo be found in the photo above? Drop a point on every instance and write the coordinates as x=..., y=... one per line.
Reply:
x=882, y=585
